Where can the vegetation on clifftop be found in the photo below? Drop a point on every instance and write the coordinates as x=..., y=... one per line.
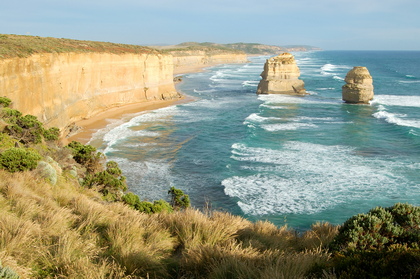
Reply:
x=24, y=46
x=68, y=216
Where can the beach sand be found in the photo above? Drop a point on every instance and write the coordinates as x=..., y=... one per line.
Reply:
x=89, y=126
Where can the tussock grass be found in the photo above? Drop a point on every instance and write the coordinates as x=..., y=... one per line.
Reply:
x=67, y=231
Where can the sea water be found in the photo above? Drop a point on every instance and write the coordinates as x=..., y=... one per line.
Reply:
x=286, y=159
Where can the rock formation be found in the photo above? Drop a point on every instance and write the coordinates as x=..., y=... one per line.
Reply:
x=359, y=87
x=281, y=76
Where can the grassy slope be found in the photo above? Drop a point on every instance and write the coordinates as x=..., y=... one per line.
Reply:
x=23, y=46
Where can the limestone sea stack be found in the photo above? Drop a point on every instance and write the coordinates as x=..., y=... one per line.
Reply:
x=359, y=87
x=281, y=76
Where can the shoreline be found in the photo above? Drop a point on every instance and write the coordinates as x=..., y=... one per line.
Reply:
x=89, y=126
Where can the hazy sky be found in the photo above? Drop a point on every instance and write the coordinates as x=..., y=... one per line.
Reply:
x=329, y=24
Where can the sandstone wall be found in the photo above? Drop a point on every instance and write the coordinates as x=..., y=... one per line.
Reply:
x=62, y=88
x=359, y=86
x=185, y=61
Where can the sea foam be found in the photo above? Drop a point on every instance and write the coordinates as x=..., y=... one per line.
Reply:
x=298, y=178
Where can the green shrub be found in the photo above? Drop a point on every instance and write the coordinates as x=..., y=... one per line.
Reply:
x=399, y=263
x=87, y=156
x=178, y=198
x=51, y=134
x=380, y=228
x=10, y=113
x=5, y=102
x=144, y=206
x=110, y=182
x=7, y=273
x=131, y=199
x=19, y=159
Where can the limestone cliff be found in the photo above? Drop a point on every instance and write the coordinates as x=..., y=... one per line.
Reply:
x=187, y=61
x=359, y=86
x=281, y=76
x=60, y=88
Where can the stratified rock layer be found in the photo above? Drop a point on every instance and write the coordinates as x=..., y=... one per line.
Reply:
x=63, y=88
x=281, y=76
x=359, y=87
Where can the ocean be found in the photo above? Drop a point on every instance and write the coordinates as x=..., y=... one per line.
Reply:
x=286, y=159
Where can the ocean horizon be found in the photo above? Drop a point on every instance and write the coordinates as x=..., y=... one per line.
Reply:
x=286, y=159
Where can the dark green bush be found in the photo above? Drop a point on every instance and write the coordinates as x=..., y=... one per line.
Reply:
x=27, y=129
x=5, y=102
x=144, y=206
x=19, y=159
x=8, y=113
x=51, y=134
x=398, y=263
x=109, y=182
x=87, y=156
x=380, y=228
x=178, y=198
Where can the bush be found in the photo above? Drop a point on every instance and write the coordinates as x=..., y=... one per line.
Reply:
x=87, y=156
x=19, y=159
x=5, y=102
x=110, y=181
x=7, y=273
x=51, y=134
x=27, y=129
x=178, y=198
x=380, y=228
x=144, y=206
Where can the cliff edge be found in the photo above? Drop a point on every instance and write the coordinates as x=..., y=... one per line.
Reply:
x=63, y=87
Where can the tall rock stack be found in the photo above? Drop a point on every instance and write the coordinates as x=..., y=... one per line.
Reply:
x=281, y=76
x=359, y=87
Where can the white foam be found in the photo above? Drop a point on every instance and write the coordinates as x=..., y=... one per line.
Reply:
x=395, y=100
x=308, y=178
x=252, y=83
x=255, y=117
x=397, y=119
x=287, y=126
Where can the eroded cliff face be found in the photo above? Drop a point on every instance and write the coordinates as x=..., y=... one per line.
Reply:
x=359, y=86
x=63, y=88
x=187, y=61
x=281, y=76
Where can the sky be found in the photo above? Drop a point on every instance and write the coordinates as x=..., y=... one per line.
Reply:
x=328, y=24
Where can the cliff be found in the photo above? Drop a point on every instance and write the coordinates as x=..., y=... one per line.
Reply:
x=188, y=57
x=61, y=88
x=187, y=61
x=359, y=86
x=281, y=76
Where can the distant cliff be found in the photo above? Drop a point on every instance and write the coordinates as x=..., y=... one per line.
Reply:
x=247, y=48
x=60, y=88
x=188, y=57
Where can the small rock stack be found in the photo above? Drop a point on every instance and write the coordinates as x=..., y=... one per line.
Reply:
x=359, y=87
x=281, y=76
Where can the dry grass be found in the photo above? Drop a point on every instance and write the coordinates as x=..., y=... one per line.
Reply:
x=24, y=46
x=66, y=231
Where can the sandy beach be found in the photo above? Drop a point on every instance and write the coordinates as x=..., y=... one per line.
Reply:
x=89, y=126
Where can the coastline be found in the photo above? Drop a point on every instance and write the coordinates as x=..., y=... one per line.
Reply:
x=89, y=126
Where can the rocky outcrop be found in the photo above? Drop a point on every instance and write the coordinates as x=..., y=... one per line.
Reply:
x=281, y=76
x=188, y=61
x=63, y=88
x=359, y=87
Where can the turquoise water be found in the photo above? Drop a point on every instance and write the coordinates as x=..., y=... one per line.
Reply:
x=285, y=159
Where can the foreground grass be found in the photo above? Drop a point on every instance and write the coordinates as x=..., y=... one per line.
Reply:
x=67, y=231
